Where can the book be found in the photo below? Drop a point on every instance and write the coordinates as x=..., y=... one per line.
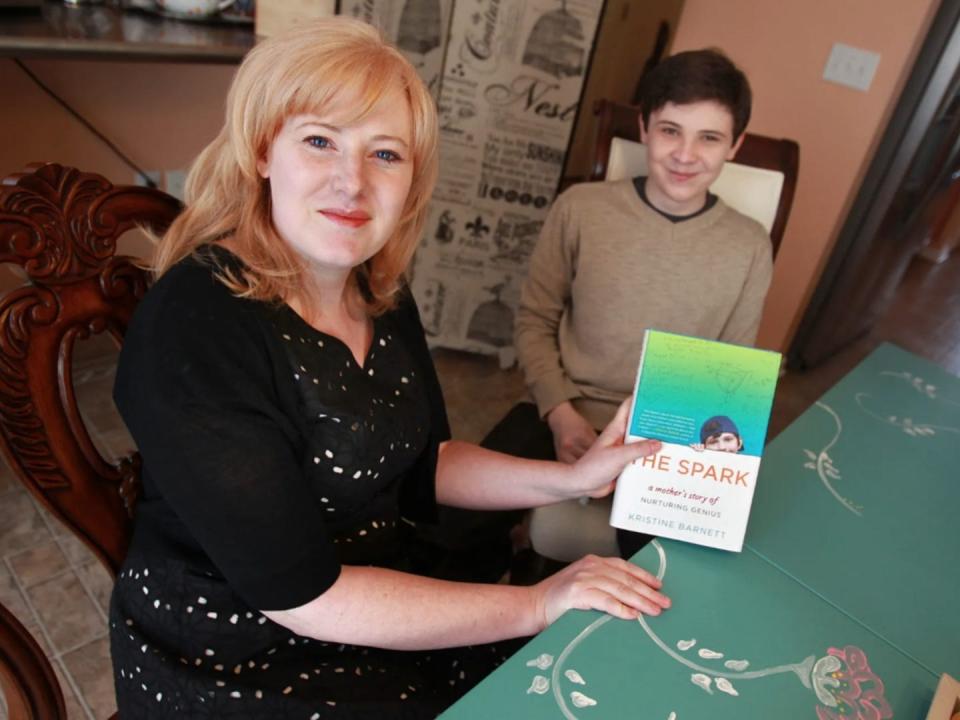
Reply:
x=709, y=404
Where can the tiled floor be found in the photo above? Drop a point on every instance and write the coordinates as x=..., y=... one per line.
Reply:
x=60, y=592
x=50, y=581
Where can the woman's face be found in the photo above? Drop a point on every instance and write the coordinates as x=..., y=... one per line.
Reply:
x=338, y=189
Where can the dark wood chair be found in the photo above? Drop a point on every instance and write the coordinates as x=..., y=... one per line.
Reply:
x=61, y=227
x=28, y=682
x=623, y=121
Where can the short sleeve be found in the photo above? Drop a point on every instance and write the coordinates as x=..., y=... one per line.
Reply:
x=196, y=387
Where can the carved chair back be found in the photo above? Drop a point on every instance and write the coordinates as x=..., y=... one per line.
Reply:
x=61, y=227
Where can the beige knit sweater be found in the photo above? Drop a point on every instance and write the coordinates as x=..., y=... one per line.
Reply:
x=607, y=267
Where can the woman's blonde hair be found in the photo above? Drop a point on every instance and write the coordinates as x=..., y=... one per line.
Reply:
x=306, y=70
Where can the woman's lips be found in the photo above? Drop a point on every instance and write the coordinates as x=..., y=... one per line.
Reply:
x=348, y=218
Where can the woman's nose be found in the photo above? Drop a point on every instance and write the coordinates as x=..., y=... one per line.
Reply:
x=348, y=176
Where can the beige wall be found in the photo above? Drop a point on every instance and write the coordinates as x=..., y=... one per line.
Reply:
x=159, y=115
x=783, y=48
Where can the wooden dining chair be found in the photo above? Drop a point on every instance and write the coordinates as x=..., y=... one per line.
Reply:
x=780, y=158
x=27, y=680
x=61, y=226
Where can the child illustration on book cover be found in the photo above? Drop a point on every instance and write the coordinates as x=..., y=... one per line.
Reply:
x=719, y=433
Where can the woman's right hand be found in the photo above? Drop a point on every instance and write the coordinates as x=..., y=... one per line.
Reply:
x=610, y=584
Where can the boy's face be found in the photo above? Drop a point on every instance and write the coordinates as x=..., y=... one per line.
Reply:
x=724, y=442
x=687, y=146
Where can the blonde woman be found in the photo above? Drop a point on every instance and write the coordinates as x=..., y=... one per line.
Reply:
x=277, y=382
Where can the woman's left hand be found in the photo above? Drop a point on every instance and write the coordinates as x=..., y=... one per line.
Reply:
x=595, y=473
x=610, y=585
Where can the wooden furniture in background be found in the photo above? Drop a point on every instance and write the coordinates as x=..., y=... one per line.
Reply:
x=61, y=227
x=105, y=31
x=940, y=224
x=27, y=681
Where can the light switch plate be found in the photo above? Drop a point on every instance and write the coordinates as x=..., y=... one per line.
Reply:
x=851, y=66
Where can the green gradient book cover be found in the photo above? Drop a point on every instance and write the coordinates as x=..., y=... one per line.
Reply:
x=709, y=403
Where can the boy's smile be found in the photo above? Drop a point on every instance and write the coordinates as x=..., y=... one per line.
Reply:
x=687, y=146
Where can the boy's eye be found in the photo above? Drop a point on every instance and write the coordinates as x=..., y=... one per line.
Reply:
x=388, y=155
x=317, y=141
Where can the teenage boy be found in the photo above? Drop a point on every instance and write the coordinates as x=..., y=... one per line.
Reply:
x=659, y=251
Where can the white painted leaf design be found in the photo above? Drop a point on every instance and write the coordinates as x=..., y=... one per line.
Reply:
x=702, y=681
x=574, y=677
x=540, y=685
x=541, y=662
x=581, y=700
x=723, y=685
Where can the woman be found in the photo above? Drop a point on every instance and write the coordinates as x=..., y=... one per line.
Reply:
x=277, y=382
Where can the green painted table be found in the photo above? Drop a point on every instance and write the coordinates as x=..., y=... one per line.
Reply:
x=742, y=640
x=859, y=500
x=842, y=604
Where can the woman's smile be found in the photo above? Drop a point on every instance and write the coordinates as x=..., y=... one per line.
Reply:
x=346, y=218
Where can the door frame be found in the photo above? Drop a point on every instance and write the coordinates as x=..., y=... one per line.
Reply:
x=938, y=62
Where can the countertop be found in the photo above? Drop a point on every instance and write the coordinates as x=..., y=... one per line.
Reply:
x=106, y=32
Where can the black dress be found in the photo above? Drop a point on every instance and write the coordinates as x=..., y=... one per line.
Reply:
x=269, y=458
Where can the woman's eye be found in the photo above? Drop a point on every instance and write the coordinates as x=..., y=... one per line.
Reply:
x=317, y=141
x=388, y=155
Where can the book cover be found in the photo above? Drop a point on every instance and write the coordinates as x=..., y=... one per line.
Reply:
x=709, y=403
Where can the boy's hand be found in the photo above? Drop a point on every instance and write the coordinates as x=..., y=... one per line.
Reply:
x=572, y=434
